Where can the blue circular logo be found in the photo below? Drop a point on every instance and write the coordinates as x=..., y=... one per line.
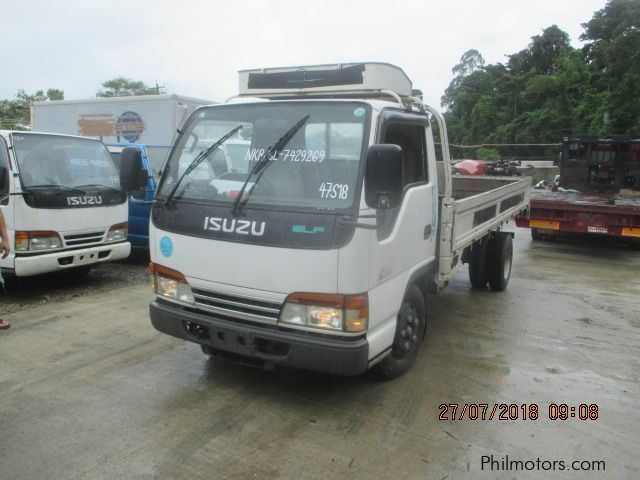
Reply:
x=129, y=126
x=166, y=246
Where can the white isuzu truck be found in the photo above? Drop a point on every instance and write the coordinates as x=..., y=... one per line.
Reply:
x=317, y=248
x=64, y=202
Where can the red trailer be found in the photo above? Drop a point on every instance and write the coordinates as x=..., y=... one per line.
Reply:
x=598, y=193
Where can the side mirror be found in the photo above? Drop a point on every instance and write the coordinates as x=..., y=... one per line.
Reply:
x=4, y=176
x=133, y=175
x=383, y=179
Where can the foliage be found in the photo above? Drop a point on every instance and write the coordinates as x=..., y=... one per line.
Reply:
x=124, y=87
x=550, y=89
x=15, y=113
x=488, y=154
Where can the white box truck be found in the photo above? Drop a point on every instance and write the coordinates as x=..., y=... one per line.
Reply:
x=317, y=248
x=150, y=120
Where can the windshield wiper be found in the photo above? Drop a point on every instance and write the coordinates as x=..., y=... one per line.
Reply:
x=101, y=185
x=56, y=186
x=198, y=160
x=263, y=162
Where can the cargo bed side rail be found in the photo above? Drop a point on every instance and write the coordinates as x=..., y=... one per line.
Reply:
x=474, y=217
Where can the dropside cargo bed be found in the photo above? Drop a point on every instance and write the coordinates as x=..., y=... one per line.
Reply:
x=482, y=204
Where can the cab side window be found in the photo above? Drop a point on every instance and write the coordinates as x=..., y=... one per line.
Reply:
x=4, y=164
x=411, y=139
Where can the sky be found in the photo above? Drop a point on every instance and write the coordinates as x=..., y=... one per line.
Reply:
x=196, y=47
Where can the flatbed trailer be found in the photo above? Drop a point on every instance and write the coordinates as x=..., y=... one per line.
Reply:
x=555, y=213
x=599, y=193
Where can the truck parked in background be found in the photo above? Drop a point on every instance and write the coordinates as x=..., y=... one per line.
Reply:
x=316, y=249
x=64, y=202
x=598, y=192
x=140, y=201
x=148, y=121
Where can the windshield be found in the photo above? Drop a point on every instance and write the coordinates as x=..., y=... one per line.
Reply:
x=50, y=160
x=318, y=168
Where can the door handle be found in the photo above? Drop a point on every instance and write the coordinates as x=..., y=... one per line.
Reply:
x=427, y=232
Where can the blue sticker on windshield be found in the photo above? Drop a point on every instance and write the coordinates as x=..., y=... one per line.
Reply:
x=359, y=112
x=166, y=246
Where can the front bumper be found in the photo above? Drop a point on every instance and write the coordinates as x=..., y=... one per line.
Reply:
x=26, y=266
x=266, y=345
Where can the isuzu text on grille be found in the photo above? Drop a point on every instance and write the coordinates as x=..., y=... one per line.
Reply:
x=85, y=200
x=232, y=225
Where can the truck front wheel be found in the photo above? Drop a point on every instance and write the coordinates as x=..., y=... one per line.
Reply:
x=499, y=261
x=410, y=330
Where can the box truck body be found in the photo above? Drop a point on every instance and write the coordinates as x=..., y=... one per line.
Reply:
x=151, y=120
x=146, y=122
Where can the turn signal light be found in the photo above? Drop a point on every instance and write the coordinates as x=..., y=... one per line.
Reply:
x=171, y=284
x=37, y=241
x=345, y=313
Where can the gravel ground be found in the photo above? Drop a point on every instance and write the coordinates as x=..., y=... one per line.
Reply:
x=26, y=293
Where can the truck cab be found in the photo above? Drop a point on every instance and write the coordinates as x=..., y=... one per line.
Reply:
x=64, y=202
x=317, y=250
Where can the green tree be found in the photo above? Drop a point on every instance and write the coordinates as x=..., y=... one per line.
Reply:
x=124, y=87
x=55, y=94
x=542, y=54
x=15, y=113
x=613, y=51
x=488, y=154
x=549, y=89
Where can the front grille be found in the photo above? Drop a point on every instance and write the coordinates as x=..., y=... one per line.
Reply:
x=83, y=238
x=243, y=308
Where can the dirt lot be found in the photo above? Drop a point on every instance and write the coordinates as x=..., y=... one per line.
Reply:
x=26, y=293
x=88, y=390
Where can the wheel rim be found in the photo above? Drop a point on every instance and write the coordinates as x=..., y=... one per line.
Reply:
x=409, y=326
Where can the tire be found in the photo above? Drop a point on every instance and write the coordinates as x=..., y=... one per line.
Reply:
x=206, y=350
x=634, y=244
x=499, y=261
x=536, y=236
x=410, y=330
x=478, y=265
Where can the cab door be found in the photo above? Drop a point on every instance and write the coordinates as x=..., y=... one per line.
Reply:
x=140, y=203
x=404, y=245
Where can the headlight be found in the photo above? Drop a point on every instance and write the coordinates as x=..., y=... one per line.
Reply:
x=170, y=284
x=37, y=241
x=117, y=233
x=345, y=313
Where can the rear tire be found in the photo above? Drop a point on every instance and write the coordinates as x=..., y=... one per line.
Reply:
x=206, y=349
x=536, y=236
x=410, y=330
x=478, y=265
x=500, y=260
x=633, y=243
